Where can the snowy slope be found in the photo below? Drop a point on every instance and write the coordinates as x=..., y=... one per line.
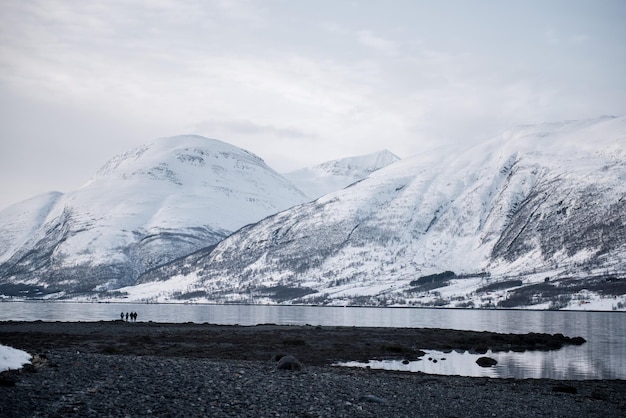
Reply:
x=318, y=180
x=537, y=201
x=20, y=221
x=142, y=209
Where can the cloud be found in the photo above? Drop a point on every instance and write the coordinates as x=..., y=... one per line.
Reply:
x=363, y=37
x=236, y=127
x=298, y=84
x=371, y=40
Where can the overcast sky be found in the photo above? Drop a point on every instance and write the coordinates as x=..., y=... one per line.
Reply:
x=295, y=82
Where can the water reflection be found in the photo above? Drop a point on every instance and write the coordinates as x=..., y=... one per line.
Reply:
x=564, y=364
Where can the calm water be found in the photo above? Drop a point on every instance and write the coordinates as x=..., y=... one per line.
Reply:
x=602, y=357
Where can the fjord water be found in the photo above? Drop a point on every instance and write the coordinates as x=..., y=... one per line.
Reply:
x=603, y=356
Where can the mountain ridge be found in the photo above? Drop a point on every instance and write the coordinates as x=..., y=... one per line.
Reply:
x=530, y=204
x=143, y=208
x=534, y=217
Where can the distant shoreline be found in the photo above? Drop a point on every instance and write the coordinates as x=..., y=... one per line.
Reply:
x=447, y=308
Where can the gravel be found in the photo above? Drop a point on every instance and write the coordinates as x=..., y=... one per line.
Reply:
x=64, y=382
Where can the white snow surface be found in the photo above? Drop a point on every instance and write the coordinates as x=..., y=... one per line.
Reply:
x=184, y=181
x=198, y=188
x=321, y=179
x=20, y=221
x=12, y=358
x=421, y=216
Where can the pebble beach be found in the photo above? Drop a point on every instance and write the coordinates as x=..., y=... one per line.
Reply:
x=133, y=370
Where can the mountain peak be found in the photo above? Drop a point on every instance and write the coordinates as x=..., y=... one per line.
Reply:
x=369, y=162
x=144, y=207
x=175, y=151
x=324, y=178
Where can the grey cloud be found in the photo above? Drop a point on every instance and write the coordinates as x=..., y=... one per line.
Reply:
x=247, y=127
x=375, y=41
x=297, y=83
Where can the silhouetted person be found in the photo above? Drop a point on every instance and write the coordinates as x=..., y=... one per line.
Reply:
x=126, y=316
x=122, y=316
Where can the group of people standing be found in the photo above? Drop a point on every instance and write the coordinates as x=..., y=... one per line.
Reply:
x=131, y=315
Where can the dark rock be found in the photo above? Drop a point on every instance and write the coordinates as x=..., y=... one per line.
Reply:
x=600, y=394
x=288, y=363
x=30, y=368
x=486, y=362
x=373, y=399
x=481, y=349
x=8, y=378
x=565, y=389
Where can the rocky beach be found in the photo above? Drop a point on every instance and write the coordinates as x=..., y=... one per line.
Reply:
x=120, y=368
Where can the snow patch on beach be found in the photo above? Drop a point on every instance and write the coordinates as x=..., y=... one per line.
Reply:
x=12, y=358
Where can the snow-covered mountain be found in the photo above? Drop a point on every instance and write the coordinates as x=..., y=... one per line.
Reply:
x=142, y=209
x=534, y=216
x=321, y=179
